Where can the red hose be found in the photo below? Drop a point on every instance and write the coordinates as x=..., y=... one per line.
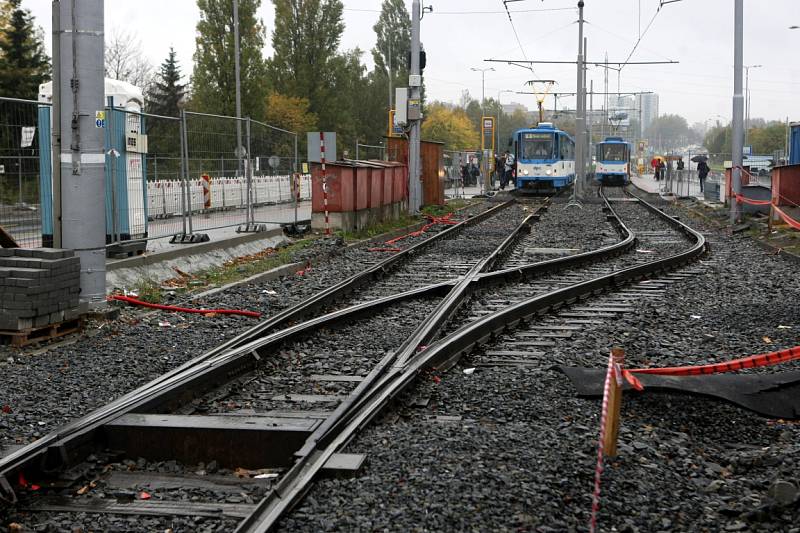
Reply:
x=134, y=301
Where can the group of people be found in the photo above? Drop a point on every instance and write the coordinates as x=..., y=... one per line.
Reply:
x=504, y=168
x=659, y=167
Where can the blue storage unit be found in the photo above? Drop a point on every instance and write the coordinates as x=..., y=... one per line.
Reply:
x=794, y=144
x=125, y=174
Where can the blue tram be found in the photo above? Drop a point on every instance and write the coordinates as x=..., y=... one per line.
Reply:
x=613, y=166
x=545, y=159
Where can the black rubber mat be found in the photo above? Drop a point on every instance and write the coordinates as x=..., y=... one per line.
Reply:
x=775, y=395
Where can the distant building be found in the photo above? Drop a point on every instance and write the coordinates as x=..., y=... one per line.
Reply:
x=648, y=103
x=510, y=109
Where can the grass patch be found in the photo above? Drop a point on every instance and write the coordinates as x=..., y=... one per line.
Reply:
x=384, y=227
x=450, y=207
x=152, y=291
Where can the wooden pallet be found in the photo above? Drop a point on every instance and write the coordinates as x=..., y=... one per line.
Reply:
x=42, y=334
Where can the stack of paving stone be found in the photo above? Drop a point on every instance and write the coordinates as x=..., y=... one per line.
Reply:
x=38, y=287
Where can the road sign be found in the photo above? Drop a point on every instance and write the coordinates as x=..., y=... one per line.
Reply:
x=274, y=161
x=240, y=152
x=747, y=150
x=99, y=119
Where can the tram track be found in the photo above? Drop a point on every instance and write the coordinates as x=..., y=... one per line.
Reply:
x=392, y=366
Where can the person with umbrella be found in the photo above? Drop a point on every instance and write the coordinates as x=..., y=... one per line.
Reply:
x=702, y=169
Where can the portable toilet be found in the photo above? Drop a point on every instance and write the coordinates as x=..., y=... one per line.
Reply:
x=125, y=169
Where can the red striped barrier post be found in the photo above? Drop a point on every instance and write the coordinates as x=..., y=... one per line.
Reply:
x=206, y=191
x=609, y=425
x=324, y=181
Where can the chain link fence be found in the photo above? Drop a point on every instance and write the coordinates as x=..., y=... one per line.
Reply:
x=165, y=176
x=21, y=140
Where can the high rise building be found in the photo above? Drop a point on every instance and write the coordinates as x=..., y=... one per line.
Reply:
x=648, y=104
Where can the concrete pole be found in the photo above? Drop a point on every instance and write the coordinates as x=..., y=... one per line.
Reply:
x=580, y=119
x=81, y=94
x=55, y=133
x=738, y=109
x=414, y=138
x=237, y=73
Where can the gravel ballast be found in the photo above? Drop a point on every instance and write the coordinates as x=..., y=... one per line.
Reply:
x=512, y=448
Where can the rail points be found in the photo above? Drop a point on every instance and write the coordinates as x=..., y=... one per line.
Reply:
x=326, y=414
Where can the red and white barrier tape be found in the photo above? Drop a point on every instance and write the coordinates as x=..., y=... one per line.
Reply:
x=613, y=372
x=753, y=361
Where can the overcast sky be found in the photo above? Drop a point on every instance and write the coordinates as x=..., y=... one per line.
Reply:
x=461, y=34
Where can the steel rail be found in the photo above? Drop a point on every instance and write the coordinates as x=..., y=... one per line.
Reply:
x=327, y=296
x=308, y=463
x=217, y=365
x=394, y=378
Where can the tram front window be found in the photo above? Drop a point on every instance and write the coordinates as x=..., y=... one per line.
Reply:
x=613, y=152
x=537, y=146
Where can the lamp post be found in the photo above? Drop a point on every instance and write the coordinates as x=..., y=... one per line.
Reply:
x=483, y=72
x=747, y=100
x=500, y=114
x=487, y=181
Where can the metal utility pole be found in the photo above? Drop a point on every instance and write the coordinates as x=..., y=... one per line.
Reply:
x=79, y=41
x=414, y=136
x=580, y=118
x=55, y=133
x=237, y=69
x=747, y=101
x=738, y=109
x=499, y=115
x=483, y=72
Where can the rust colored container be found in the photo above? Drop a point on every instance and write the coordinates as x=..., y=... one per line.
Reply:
x=362, y=188
x=341, y=188
x=375, y=177
x=400, y=185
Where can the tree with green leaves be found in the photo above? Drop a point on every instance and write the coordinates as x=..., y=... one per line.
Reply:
x=392, y=46
x=214, y=79
x=165, y=98
x=305, y=43
x=167, y=92
x=24, y=65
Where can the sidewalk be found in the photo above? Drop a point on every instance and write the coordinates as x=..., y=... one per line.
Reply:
x=683, y=188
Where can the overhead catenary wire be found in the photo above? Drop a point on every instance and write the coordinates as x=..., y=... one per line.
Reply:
x=516, y=36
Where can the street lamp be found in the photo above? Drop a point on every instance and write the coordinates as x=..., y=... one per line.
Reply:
x=747, y=100
x=500, y=114
x=483, y=72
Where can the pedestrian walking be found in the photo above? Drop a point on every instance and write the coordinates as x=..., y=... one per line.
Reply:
x=499, y=167
x=702, y=173
x=508, y=175
x=662, y=170
x=654, y=166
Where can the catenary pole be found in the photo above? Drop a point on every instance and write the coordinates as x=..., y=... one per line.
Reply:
x=237, y=69
x=737, y=143
x=580, y=118
x=82, y=160
x=414, y=186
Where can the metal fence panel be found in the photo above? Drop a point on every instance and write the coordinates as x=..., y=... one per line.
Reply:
x=20, y=147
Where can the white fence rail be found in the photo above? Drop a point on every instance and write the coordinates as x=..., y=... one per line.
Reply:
x=164, y=196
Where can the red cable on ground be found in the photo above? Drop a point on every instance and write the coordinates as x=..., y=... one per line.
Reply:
x=753, y=361
x=432, y=221
x=134, y=301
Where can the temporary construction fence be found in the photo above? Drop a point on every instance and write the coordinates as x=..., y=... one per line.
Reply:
x=20, y=149
x=164, y=175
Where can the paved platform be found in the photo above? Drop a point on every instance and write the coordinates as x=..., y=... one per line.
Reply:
x=683, y=188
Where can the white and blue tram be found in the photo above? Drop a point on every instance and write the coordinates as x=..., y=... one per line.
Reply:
x=613, y=166
x=545, y=159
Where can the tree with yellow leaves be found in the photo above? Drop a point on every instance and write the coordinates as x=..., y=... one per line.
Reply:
x=450, y=126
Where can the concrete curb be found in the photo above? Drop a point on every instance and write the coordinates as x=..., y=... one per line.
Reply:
x=189, y=249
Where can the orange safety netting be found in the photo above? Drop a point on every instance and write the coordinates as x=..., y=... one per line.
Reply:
x=753, y=361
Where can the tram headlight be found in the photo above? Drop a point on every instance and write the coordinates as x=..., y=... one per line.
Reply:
x=525, y=172
x=548, y=172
